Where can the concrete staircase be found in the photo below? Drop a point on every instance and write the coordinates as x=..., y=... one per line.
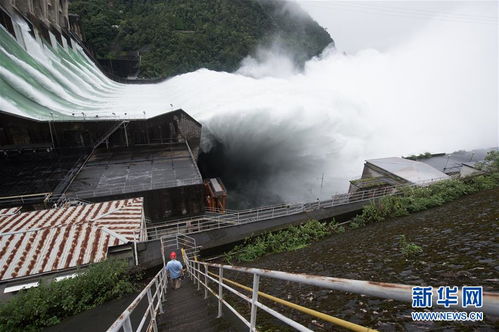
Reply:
x=186, y=310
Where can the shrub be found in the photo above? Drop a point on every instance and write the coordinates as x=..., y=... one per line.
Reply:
x=416, y=199
x=491, y=162
x=335, y=228
x=409, y=249
x=292, y=238
x=36, y=308
x=410, y=200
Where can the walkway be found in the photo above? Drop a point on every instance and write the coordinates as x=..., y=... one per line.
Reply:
x=186, y=310
x=276, y=215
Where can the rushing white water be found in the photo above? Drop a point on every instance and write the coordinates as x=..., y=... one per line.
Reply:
x=283, y=129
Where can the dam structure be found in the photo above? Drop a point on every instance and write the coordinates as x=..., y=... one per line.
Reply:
x=55, y=115
x=88, y=175
x=95, y=140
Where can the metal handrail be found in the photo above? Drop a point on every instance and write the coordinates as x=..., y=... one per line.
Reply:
x=196, y=273
x=200, y=270
x=155, y=306
x=312, y=312
x=178, y=241
x=214, y=220
x=133, y=188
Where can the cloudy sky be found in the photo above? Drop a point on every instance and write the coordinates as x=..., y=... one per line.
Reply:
x=357, y=25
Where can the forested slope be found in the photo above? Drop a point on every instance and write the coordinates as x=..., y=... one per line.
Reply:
x=178, y=36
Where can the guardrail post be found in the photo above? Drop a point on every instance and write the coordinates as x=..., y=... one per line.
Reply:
x=254, y=299
x=220, y=288
x=151, y=310
x=165, y=280
x=194, y=273
x=159, y=291
x=127, y=326
x=206, y=282
x=199, y=275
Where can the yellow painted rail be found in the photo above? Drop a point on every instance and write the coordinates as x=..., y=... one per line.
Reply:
x=312, y=312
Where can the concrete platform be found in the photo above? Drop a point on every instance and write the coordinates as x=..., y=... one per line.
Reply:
x=137, y=169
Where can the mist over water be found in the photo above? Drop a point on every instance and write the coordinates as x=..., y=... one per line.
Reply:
x=274, y=132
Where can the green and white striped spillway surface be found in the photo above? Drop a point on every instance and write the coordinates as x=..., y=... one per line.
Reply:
x=47, y=83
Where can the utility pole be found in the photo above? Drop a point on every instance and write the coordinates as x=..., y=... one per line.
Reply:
x=322, y=184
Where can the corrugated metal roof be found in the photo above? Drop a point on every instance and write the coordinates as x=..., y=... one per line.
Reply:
x=55, y=239
x=452, y=163
x=443, y=163
x=409, y=170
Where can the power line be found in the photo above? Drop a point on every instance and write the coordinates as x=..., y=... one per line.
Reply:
x=411, y=13
x=403, y=12
x=411, y=10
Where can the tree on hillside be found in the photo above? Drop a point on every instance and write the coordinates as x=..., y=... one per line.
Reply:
x=178, y=36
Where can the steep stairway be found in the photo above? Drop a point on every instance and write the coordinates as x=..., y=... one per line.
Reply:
x=186, y=310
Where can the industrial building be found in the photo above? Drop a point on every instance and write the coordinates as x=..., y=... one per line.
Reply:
x=52, y=243
x=424, y=169
x=46, y=163
x=49, y=157
x=395, y=171
x=459, y=163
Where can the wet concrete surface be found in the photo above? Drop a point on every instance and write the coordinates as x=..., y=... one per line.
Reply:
x=187, y=310
x=460, y=247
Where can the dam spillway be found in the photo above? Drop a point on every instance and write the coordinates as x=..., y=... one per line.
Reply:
x=272, y=136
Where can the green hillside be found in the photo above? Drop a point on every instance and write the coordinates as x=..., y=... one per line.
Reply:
x=178, y=36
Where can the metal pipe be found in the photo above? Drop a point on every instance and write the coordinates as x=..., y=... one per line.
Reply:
x=379, y=289
x=283, y=318
x=312, y=312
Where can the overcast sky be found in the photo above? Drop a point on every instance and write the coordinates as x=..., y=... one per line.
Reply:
x=357, y=25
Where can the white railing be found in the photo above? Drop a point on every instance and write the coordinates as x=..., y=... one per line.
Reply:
x=154, y=293
x=201, y=275
x=64, y=201
x=178, y=241
x=85, y=194
x=215, y=219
